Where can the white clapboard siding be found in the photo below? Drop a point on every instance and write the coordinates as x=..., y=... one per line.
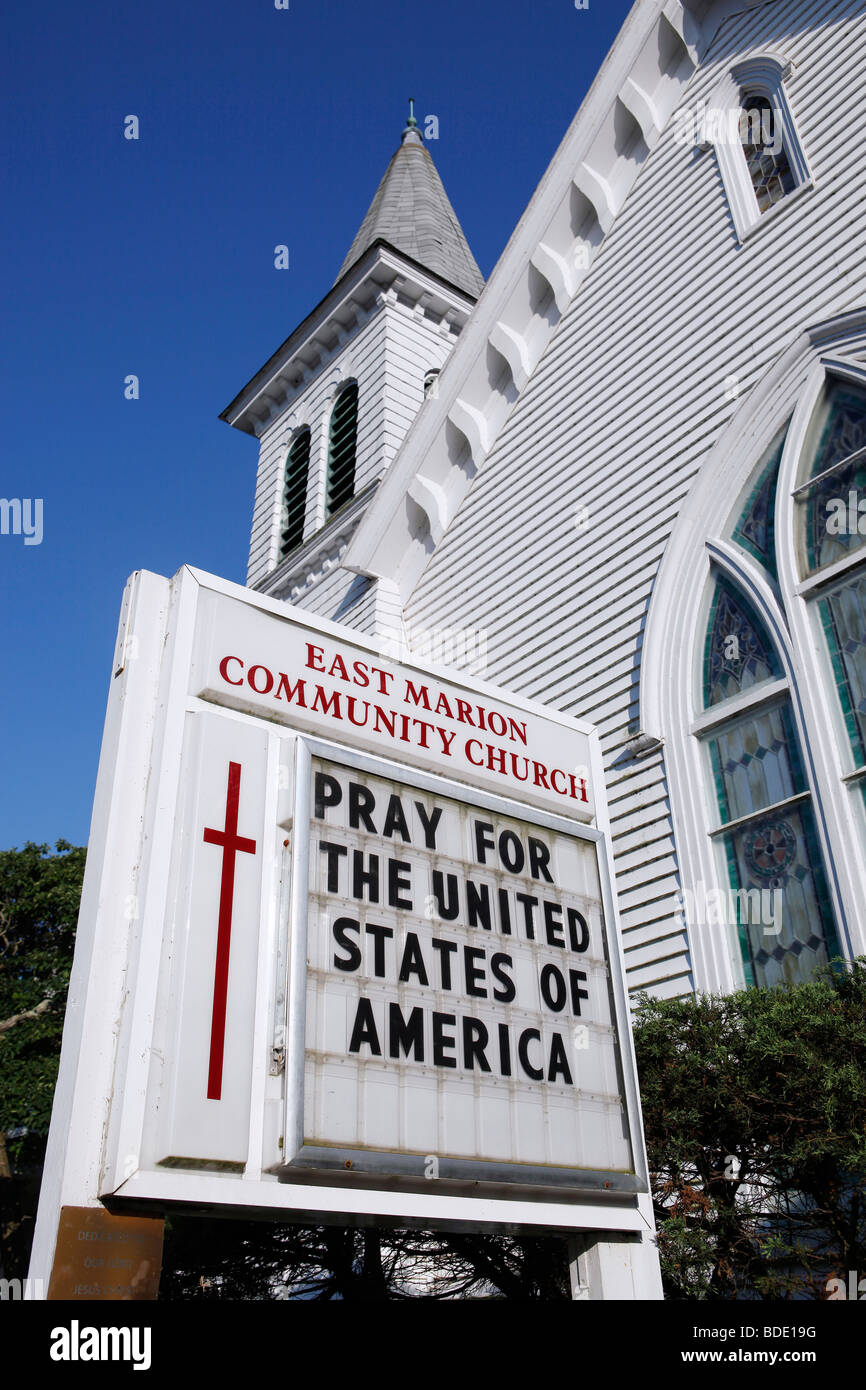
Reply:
x=415, y=344
x=361, y=357
x=673, y=947
x=388, y=355
x=638, y=822
x=662, y=987
x=336, y=595
x=621, y=411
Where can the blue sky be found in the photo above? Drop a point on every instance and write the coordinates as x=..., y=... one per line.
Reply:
x=155, y=257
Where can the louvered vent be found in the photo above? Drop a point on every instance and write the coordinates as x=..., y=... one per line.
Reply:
x=295, y=493
x=341, y=448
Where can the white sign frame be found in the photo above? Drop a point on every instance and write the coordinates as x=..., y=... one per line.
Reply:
x=94, y=1150
x=404, y=1166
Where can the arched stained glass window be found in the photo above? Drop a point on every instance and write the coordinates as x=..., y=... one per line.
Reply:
x=769, y=800
x=760, y=155
x=295, y=493
x=756, y=529
x=779, y=900
x=767, y=159
x=342, y=443
x=831, y=497
x=738, y=653
x=843, y=616
x=831, y=513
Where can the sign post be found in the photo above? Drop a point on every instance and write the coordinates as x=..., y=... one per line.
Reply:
x=347, y=946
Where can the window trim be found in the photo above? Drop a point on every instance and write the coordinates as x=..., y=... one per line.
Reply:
x=670, y=695
x=764, y=74
x=744, y=573
x=745, y=703
x=798, y=799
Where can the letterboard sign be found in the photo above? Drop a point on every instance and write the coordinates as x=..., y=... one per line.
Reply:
x=458, y=992
x=347, y=939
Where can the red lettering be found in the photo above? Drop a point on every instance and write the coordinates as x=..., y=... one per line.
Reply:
x=381, y=716
x=558, y=772
x=269, y=679
x=291, y=690
x=493, y=753
x=361, y=674
x=328, y=704
x=311, y=661
x=224, y=671
x=518, y=730
x=384, y=678
x=338, y=668
x=423, y=726
x=464, y=712
x=581, y=794
x=540, y=775
x=420, y=697
x=476, y=762
x=447, y=739
x=351, y=702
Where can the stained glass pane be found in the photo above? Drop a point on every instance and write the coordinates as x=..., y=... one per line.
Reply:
x=780, y=899
x=757, y=762
x=767, y=162
x=844, y=430
x=738, y=652
x=843, y=614
x=835, y=509
x=755, y=530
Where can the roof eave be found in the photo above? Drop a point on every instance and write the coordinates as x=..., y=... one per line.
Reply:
x=241, y=412
x=422, y=475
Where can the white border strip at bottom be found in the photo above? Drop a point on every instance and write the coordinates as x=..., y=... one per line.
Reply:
x=210, y=1189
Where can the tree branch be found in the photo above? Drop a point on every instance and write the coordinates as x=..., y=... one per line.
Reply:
x=29, y=1013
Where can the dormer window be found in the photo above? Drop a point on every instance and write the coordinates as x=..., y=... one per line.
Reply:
x=342, y=442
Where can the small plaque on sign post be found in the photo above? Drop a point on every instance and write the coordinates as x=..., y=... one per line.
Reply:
x=102, y=1257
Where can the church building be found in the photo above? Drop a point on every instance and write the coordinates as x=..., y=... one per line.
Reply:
x=626, y=477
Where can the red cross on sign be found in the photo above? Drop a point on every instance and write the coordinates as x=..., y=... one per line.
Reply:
x=232, y=844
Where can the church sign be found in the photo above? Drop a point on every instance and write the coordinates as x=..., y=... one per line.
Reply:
x=457, y=997
x=347, y=941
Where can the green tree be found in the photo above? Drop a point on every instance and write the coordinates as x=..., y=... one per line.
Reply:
x=39, y=897
x=755, y=1114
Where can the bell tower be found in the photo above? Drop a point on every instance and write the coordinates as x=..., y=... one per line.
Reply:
x=330, y=408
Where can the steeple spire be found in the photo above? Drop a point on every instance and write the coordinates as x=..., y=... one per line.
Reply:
x=412, y=213
x=411, y=134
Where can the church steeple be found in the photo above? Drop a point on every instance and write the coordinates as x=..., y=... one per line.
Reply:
x=331, y=406
x=411, y=212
